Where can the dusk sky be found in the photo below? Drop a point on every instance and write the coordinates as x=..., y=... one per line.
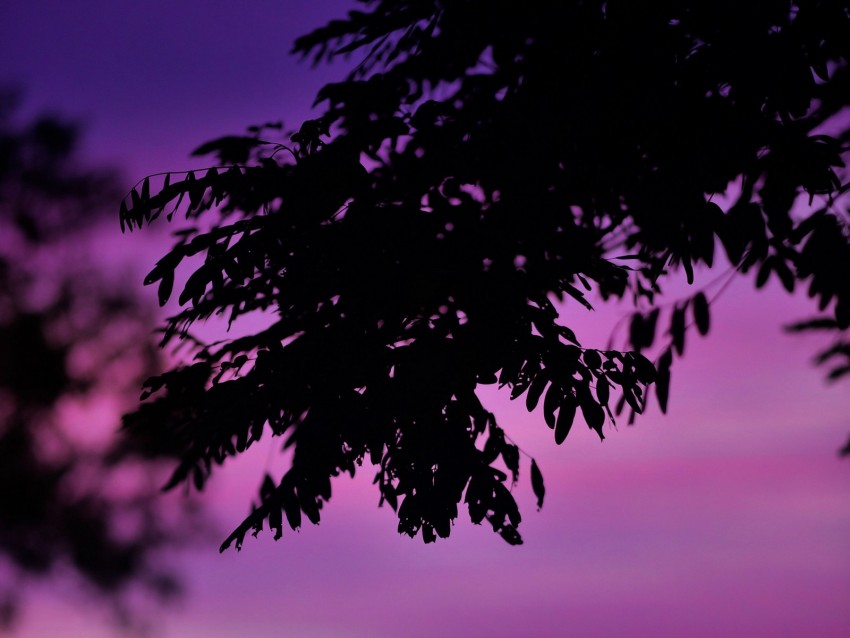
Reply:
x=729, y=516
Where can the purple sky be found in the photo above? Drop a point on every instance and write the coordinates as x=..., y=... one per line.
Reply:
x=727, y=517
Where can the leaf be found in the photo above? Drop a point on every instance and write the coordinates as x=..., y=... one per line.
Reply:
x=820, y=323
x=267, y=488
x=593, y=414
x=124, y=217
x=592, y=359
x=388, y=492
x=135, y=201
x=807, y=225
x=632, y=400
x=520, y=385
x=763, y=274
x=291, y=508
x=837, y=373
x=309, y=505
x=603, y=390
x=428, y=535
x=550, y=404
x=689, y=269
x=196, y=191
x=535, y=390
x=578, y=295
x=662, y=381
x=511, y=535
x=276, y=519
x=510, y=454
x=677, y=328
x=784, y=273
x=198, y=477
x=645, y=371
x=494, y=445
x=165, y=287
x=510, y=370
x=845, y=451
x=180, y=197
x=701, y=315
x=566, y=416
x=620, y=404
x=651, y=322
x=237, y=535
x=567, y=334
x=637, y=332
x=505, y=502
x=537, y=483
x=195, y=286
x=443, y=526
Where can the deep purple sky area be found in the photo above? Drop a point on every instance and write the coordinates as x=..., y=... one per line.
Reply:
x=728, y=517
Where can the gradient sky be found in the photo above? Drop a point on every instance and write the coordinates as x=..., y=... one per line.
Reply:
x=727, y=517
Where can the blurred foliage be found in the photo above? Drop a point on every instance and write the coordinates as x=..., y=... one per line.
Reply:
x=77, y=498
x=483, y=162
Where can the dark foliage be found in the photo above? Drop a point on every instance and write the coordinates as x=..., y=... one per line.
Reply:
x=75, y=499
x=485, y=161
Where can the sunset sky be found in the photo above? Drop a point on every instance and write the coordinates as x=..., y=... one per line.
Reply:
x=728, y=517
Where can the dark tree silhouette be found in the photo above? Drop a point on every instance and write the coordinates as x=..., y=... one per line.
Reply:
x=483, y=162
x=74, y=500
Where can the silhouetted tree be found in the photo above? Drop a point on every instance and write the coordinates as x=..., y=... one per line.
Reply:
x=483, y=162
x=74, y=498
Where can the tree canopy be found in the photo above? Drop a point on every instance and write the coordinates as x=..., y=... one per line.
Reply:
x=76, y=498
x=484, y=167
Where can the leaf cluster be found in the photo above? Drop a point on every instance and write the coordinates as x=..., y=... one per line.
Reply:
x=412, y=242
